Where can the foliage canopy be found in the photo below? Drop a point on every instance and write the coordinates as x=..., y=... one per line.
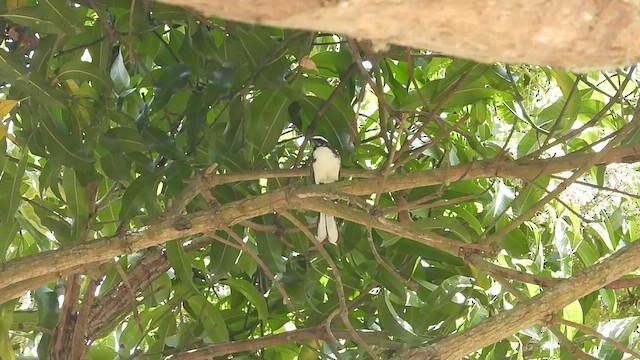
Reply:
x=154, y=194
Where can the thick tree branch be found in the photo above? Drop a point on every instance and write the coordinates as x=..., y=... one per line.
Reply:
x=574, y=34
x=107, y=309
x=591, y=332
x=539, y=309
x=102, y=250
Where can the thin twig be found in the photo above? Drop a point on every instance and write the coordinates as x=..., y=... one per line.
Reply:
x=558, y=121
x=130, y=292
x=394, y=272
x=339, y=285
x=527, y=214
x=591, y=332
x=603, y=188
x=567, y=206
x=241, y=245
x=78, y=347
x=569, y=135
x=520, y=104
x=325, y=107
x=564, y=341
x=501, y=272
x=571, y=347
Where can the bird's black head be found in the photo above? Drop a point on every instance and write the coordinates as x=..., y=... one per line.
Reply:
x=318, y=141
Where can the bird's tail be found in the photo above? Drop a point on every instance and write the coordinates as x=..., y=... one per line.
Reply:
x=327, y=228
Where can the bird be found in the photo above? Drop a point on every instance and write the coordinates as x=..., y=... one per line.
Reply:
x=325, y=169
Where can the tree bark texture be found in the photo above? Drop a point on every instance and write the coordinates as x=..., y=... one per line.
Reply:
x=22, y=274
x=29, y=272
x=574, y=34
x=536, y=310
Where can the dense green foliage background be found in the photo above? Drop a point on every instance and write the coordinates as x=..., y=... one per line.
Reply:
x=110, y=109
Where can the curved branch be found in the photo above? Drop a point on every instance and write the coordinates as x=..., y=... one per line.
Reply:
x=45, y=264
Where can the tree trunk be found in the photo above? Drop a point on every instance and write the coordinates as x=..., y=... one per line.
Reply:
x=573, y=34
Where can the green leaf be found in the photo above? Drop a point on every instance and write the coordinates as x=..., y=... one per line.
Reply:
x=572, y=312
x=477, y=315
x=382, y=276
x=80, y=70
x=31, y=83
x=448, y=224
x=270, y=251
x=102, y=352
x=61, y=14
x=392, y=322
x=333, y=124
x=77, y=201
x=116, y=166
x=122, y=139
x=617, y=329
x=49, y=177
x=34, y=18
x=465, y=97
x=269, y=115
x=62, y=143
x=6, y=318
x=173, y=78
x=210, y=317
x=167, y=327
x=254, y=297
x=234, y=133
x=119, y=74
x=501, y=201
x=48, y=314
x=158, y=140
x=10, y=194
x=47, y=48
x=530, y=142
x=168, y=12
x=256, y=43
x=530, y=195
x=181, y=263
x=8, y=232
x=566, y=82
x=10, y=200
x=223, y=257
x=332, y=63
x=135, y=196
x=30, y=222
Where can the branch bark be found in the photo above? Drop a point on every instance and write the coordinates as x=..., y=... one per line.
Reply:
x=498, y=271
x=45, y=265
x=539, y=309
x=573, y=34
x=300, y=335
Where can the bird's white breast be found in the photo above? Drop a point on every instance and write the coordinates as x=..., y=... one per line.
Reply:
x=326, y=166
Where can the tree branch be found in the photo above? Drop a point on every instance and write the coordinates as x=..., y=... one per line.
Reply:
x=498, y=271
x=601, y=33
x=316, y=333
x=44, y=265
x=537, y=310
